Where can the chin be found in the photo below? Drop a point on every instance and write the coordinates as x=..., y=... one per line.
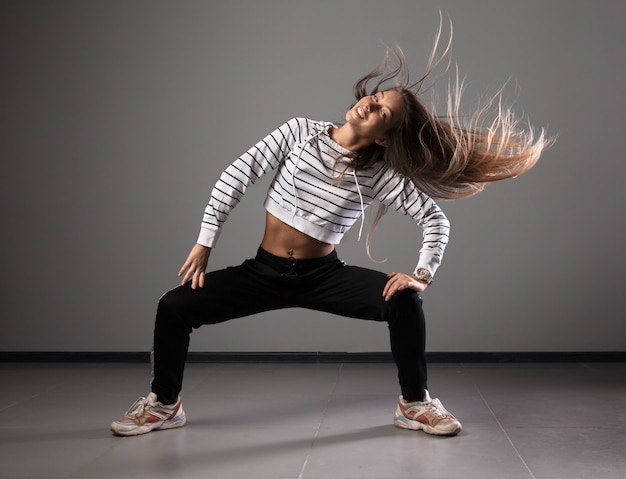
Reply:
x=352, y=116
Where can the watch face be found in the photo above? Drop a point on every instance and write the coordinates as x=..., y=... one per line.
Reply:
x=423, y=273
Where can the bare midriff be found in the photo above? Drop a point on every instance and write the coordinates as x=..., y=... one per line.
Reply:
x=285, y=241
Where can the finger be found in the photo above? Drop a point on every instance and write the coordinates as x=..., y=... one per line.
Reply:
x=392, y=285
x=390, y=294
x=397, y=282
x=391, y=276
x=198, y=279
x=188, y=275
x=183, y=268
x=386, y=289
x=390, y=289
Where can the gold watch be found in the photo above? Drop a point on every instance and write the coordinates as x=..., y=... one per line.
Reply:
x=422, y=274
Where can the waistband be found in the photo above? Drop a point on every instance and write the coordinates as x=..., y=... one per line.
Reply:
x=266, y=257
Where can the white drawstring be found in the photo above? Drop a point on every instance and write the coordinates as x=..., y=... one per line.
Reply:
x=294, y=190
x=295, y=168
x=358, y=189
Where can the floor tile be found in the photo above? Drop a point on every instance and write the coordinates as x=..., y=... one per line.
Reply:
x=572, y=453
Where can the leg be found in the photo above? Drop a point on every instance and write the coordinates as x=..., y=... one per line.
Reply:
x=407, y=330
x=357, y=292
x=229, y=293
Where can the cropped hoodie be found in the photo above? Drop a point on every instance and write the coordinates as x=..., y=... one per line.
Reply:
x=316, y=191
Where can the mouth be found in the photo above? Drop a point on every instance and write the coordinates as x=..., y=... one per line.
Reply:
x=360, y=112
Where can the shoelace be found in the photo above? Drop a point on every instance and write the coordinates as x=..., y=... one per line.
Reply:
x=138, y=407
x=437, y=407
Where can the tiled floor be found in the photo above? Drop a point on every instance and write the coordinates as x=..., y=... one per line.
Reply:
x=287, y=421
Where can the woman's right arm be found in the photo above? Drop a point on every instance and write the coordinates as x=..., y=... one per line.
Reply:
x=266, y=155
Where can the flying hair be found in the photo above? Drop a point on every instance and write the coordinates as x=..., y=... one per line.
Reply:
x=450, y=155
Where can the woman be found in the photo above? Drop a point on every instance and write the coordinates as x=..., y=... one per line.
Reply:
x=391, y=150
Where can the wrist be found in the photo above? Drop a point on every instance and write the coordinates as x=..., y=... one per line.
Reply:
x=423, y=275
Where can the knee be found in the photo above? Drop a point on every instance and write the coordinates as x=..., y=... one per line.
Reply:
x=169, y=302
x=406, y=301
x=171, y=308
x=405, y=306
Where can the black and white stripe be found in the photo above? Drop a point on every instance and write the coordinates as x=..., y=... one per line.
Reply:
x=313, y=191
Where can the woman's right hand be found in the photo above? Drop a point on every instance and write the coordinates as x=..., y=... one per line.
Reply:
x=194, y=268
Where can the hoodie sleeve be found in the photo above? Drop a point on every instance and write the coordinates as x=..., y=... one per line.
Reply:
x=263, y=157
x=403, y=196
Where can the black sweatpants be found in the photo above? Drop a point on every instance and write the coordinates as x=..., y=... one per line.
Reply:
x=269, y=282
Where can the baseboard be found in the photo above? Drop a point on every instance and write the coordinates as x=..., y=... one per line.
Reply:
x=315, y=357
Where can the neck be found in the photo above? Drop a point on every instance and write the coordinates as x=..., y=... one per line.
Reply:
x=347, y=138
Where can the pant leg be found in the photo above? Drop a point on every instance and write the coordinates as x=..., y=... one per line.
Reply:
x=357, y=292
x=230, y=293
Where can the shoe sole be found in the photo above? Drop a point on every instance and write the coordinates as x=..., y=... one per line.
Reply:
x=132, y=430
x=405, y=423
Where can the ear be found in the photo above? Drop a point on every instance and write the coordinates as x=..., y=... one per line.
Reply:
x=384, y=142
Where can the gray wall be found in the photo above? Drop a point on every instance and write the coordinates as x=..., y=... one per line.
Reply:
x=117, y=117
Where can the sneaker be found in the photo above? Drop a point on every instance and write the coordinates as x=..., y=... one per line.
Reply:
x=428, y=415
x=147, y=414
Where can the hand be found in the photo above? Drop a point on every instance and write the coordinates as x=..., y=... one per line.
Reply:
x=400, y=281
x=195, y=266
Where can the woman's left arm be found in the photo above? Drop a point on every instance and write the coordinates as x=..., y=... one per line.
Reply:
x=404, y=197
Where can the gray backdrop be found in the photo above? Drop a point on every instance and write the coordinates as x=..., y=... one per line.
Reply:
x=117, y=117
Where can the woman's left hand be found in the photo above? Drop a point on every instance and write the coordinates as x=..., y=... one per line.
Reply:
x=400, y=281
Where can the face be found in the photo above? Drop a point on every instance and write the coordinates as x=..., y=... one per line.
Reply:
x=373, y=116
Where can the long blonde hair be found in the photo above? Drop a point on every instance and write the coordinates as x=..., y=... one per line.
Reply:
x=449, y=156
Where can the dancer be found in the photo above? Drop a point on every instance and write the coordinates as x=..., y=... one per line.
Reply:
x=392, y=151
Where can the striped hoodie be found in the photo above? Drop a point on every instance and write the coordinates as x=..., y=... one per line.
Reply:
x=314, y=192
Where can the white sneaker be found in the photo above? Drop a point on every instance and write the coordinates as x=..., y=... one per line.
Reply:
x=147, y=414
x=428, y=415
